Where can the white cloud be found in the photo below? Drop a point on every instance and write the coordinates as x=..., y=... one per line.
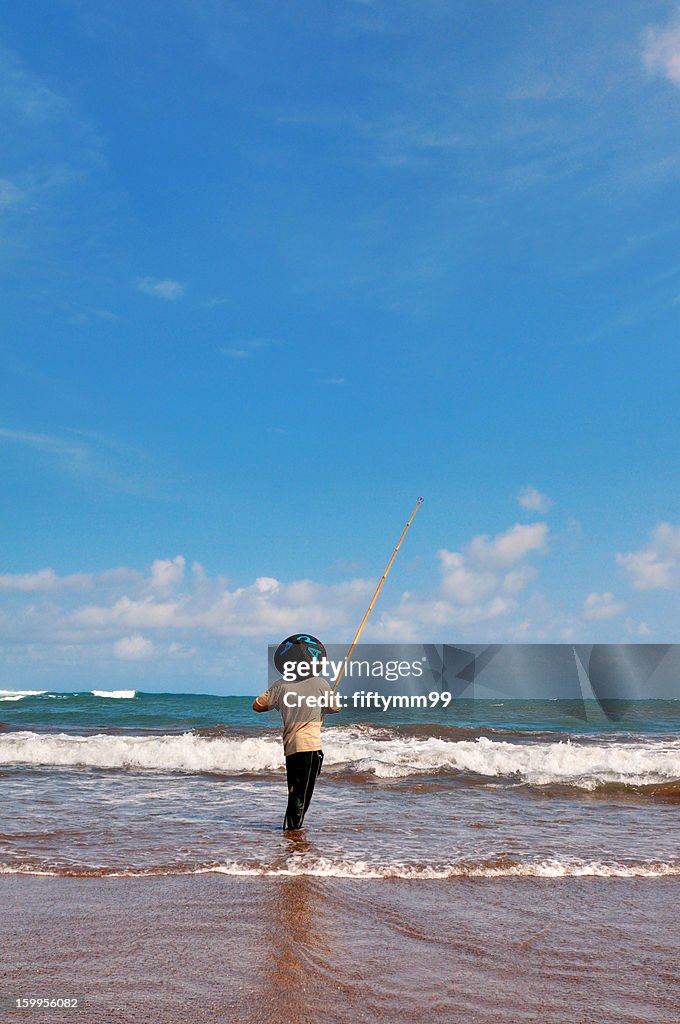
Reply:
x=162, y=289
x=175, y=607
x=517, y=579
x=637, y=630
x=195, y=611
x=171, y=609
x=43, y=580
x=656, y=566
x=479, y=584
x=133, y=648
x=167, y=573
x=661, y=50
x=505, y=549
x=464, y=582
x=127, y=613
x=532, y=500
x=416, y=619
x=602, y=606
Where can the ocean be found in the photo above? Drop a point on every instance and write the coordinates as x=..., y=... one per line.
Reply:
x=514, y=833
x=142, y=783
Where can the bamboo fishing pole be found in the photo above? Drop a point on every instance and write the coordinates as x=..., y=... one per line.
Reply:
x=375, y=596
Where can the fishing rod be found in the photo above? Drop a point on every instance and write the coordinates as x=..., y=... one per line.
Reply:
x=375, y=596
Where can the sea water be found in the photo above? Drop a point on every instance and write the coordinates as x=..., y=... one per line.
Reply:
x=128, y=783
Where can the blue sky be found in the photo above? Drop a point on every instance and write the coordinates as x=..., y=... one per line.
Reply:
x=270, y=272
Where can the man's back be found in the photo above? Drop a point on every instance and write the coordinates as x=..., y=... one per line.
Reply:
x=302, y=705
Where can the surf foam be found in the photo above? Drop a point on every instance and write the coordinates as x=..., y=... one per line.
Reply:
x=322, y=867
x=117, y=694
x=20, y=694
x=586, y=766
x=184, y=752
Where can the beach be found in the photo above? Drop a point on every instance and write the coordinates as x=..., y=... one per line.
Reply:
x=340, y=564
x=259, y=950
x=510, y=863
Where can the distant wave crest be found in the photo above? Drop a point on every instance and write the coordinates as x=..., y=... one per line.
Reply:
x=119, y=694
x=20, y=694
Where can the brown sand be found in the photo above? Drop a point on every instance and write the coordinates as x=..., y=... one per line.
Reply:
x=263, y=950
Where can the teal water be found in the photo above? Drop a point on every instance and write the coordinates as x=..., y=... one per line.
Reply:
x=178, y=712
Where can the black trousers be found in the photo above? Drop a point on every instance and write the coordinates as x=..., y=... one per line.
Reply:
x=301, y=772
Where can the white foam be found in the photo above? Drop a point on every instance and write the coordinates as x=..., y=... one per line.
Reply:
x=583, y=765
x=20, y=694
x=24, y=869
x=322, y=867
x=185, y=752
x=551, y=868
x=117, y=694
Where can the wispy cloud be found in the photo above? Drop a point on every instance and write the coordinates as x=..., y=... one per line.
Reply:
x=246, y=348
x=332, y=381
x=389, y=141
x=86, y=456
x=661, y=49
x=656, y=566
x=86, y=314
x=532, y=500
x=42, y=581
x=10, y=195
x=161, y=288
x=56, y=179
x=72, y=454
x=237, y=353
x=602, y=606
x=133, y=648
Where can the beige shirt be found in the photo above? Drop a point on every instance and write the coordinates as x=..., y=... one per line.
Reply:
x=302, y=720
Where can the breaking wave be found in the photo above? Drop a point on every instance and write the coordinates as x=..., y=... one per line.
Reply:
x=20, y=694
x=322, y=867
x=352, y=751
x=120, y=694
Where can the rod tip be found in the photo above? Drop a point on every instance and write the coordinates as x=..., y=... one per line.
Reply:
x=419, y=500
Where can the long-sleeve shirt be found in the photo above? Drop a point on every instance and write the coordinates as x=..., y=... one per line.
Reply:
x=302, y=716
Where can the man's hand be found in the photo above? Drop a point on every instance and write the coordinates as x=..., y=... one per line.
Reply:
x=261, y=703
x=333, y=705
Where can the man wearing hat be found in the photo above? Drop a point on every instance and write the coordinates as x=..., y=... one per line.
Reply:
x=302, y=698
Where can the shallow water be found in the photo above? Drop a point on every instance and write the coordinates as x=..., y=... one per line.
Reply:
x=166, y=784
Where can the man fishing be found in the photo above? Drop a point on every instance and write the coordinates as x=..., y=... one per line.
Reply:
x=302, y=698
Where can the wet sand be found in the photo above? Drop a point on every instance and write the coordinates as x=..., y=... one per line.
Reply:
x=259, y=950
